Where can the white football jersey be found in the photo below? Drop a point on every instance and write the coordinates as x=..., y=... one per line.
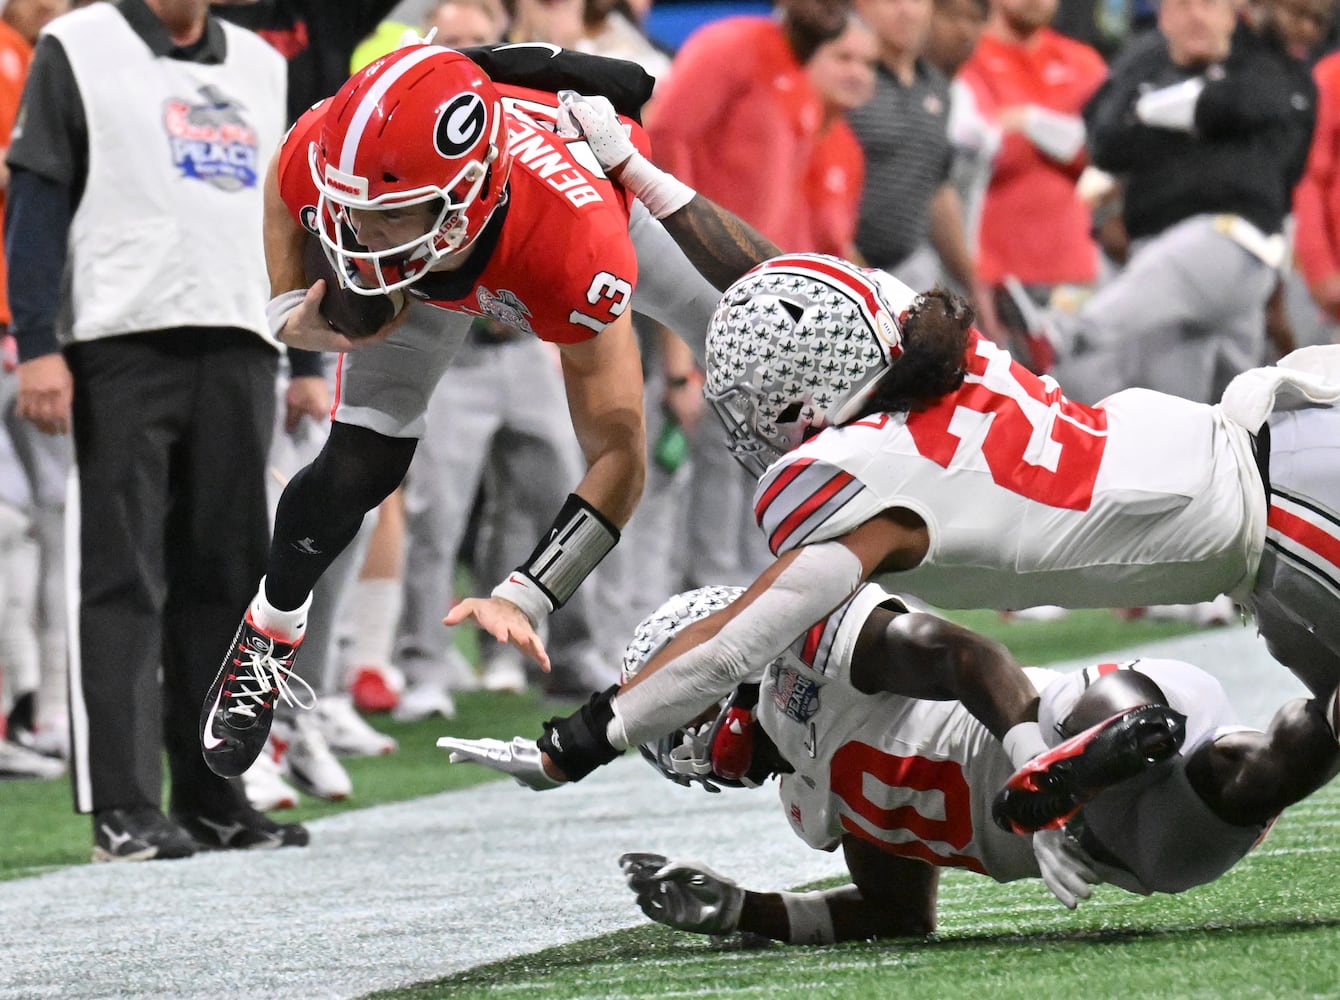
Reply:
x=1160, y=834
x=1030, y=498
x=914, y=777
x=917, y=778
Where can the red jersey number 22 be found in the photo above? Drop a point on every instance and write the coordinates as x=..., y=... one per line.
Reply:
x=608, y=297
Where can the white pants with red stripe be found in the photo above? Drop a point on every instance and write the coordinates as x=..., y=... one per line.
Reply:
x=1296, y=599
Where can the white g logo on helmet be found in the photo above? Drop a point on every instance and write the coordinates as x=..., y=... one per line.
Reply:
x=461, y=125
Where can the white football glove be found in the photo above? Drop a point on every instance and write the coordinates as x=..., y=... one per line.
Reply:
x=1066, y=868
x=596, y=120
x=687, y=896
x=519, y=758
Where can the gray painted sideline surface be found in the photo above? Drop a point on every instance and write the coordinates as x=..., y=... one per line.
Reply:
x=398, y=894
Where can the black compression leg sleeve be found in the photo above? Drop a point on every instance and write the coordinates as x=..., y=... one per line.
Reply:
x=323, y=506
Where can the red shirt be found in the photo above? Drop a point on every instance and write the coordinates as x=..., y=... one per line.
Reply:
x=737, y=119
x=1034, y=226
x=15, y=56
x=562, y=267
x=833, y=191
x=1316, y=199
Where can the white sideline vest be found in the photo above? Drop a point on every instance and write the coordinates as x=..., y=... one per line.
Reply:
x=168, y=232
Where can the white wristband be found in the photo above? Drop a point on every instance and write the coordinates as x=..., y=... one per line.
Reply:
x=279, y=308
x=1024, y=742
x=662, y=193
x=811, y=922
x=523, y=592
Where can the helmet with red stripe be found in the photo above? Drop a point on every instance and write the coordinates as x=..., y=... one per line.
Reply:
x=800, y=343
x=717, y=748
x=422, y=126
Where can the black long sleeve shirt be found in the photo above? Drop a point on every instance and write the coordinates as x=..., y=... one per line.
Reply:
x=1253, y=126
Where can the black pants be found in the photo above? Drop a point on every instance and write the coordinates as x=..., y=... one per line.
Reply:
x=172, y=430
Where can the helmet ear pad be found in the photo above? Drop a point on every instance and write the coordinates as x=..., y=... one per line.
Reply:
x=1114, y=692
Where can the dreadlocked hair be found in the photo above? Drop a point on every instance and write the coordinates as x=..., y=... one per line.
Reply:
x=935, y=338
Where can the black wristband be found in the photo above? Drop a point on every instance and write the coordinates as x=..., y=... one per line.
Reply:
x=575, y=543
x=577, y=743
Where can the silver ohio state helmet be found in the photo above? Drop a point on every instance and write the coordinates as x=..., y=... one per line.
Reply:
x=687, y=755
x=798, y=343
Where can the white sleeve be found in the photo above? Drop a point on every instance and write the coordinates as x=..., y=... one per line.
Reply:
x=1172, y=107
x=1057, y=135
x=820, y=579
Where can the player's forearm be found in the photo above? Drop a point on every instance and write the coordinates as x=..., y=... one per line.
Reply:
x=615, y=477
x=824, y=917
x=721, y=245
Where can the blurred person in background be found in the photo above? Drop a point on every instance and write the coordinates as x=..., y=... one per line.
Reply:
x=738, y=119
x=1208, y=127
x=956, y=26
x=843, y=72
x=1030, y=83
x=38, y=718
x=910, y=212
x=146, y=128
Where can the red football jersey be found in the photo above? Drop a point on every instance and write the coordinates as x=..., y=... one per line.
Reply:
x=561, y=264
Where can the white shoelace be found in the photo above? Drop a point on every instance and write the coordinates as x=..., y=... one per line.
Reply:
x=261, y=668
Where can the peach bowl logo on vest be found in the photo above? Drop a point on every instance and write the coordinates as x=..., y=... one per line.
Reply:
x=211, y=140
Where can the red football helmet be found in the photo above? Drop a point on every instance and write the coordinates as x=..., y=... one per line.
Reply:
x=419, y=126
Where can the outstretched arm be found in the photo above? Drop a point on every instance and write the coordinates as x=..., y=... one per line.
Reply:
x=890, y=896
x=720, y=244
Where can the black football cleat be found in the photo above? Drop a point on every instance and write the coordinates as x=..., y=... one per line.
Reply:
x=243, y=829
x=1055, y=785
x=235, y=720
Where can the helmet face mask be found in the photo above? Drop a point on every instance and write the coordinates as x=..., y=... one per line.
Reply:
x=422, y=126
x=686, y=755
x=797, y=344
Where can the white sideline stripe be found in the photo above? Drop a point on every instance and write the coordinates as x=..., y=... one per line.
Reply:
x=424, y=889
x=83, y=783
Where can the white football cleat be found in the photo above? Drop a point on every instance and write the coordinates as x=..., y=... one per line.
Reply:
x=420, y=701
x=505, y=671
x=308, y=762
x=20, y=762
x=347, y=733
x=264, y=782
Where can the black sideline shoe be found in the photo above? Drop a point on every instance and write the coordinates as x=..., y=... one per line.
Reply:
x=241, y=829
x=139, y=834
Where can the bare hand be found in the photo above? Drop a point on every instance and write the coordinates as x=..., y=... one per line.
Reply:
x=46, y=393
x=1326, y=292
x=307, y=328
x=504, y=621
x=685, y=402
x=306, y=396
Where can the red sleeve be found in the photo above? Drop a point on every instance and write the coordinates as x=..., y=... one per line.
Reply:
x=687, y=112
x=600, y=273
x=1314, y=242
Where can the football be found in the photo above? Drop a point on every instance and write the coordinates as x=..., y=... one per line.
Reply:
x=356, y=316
